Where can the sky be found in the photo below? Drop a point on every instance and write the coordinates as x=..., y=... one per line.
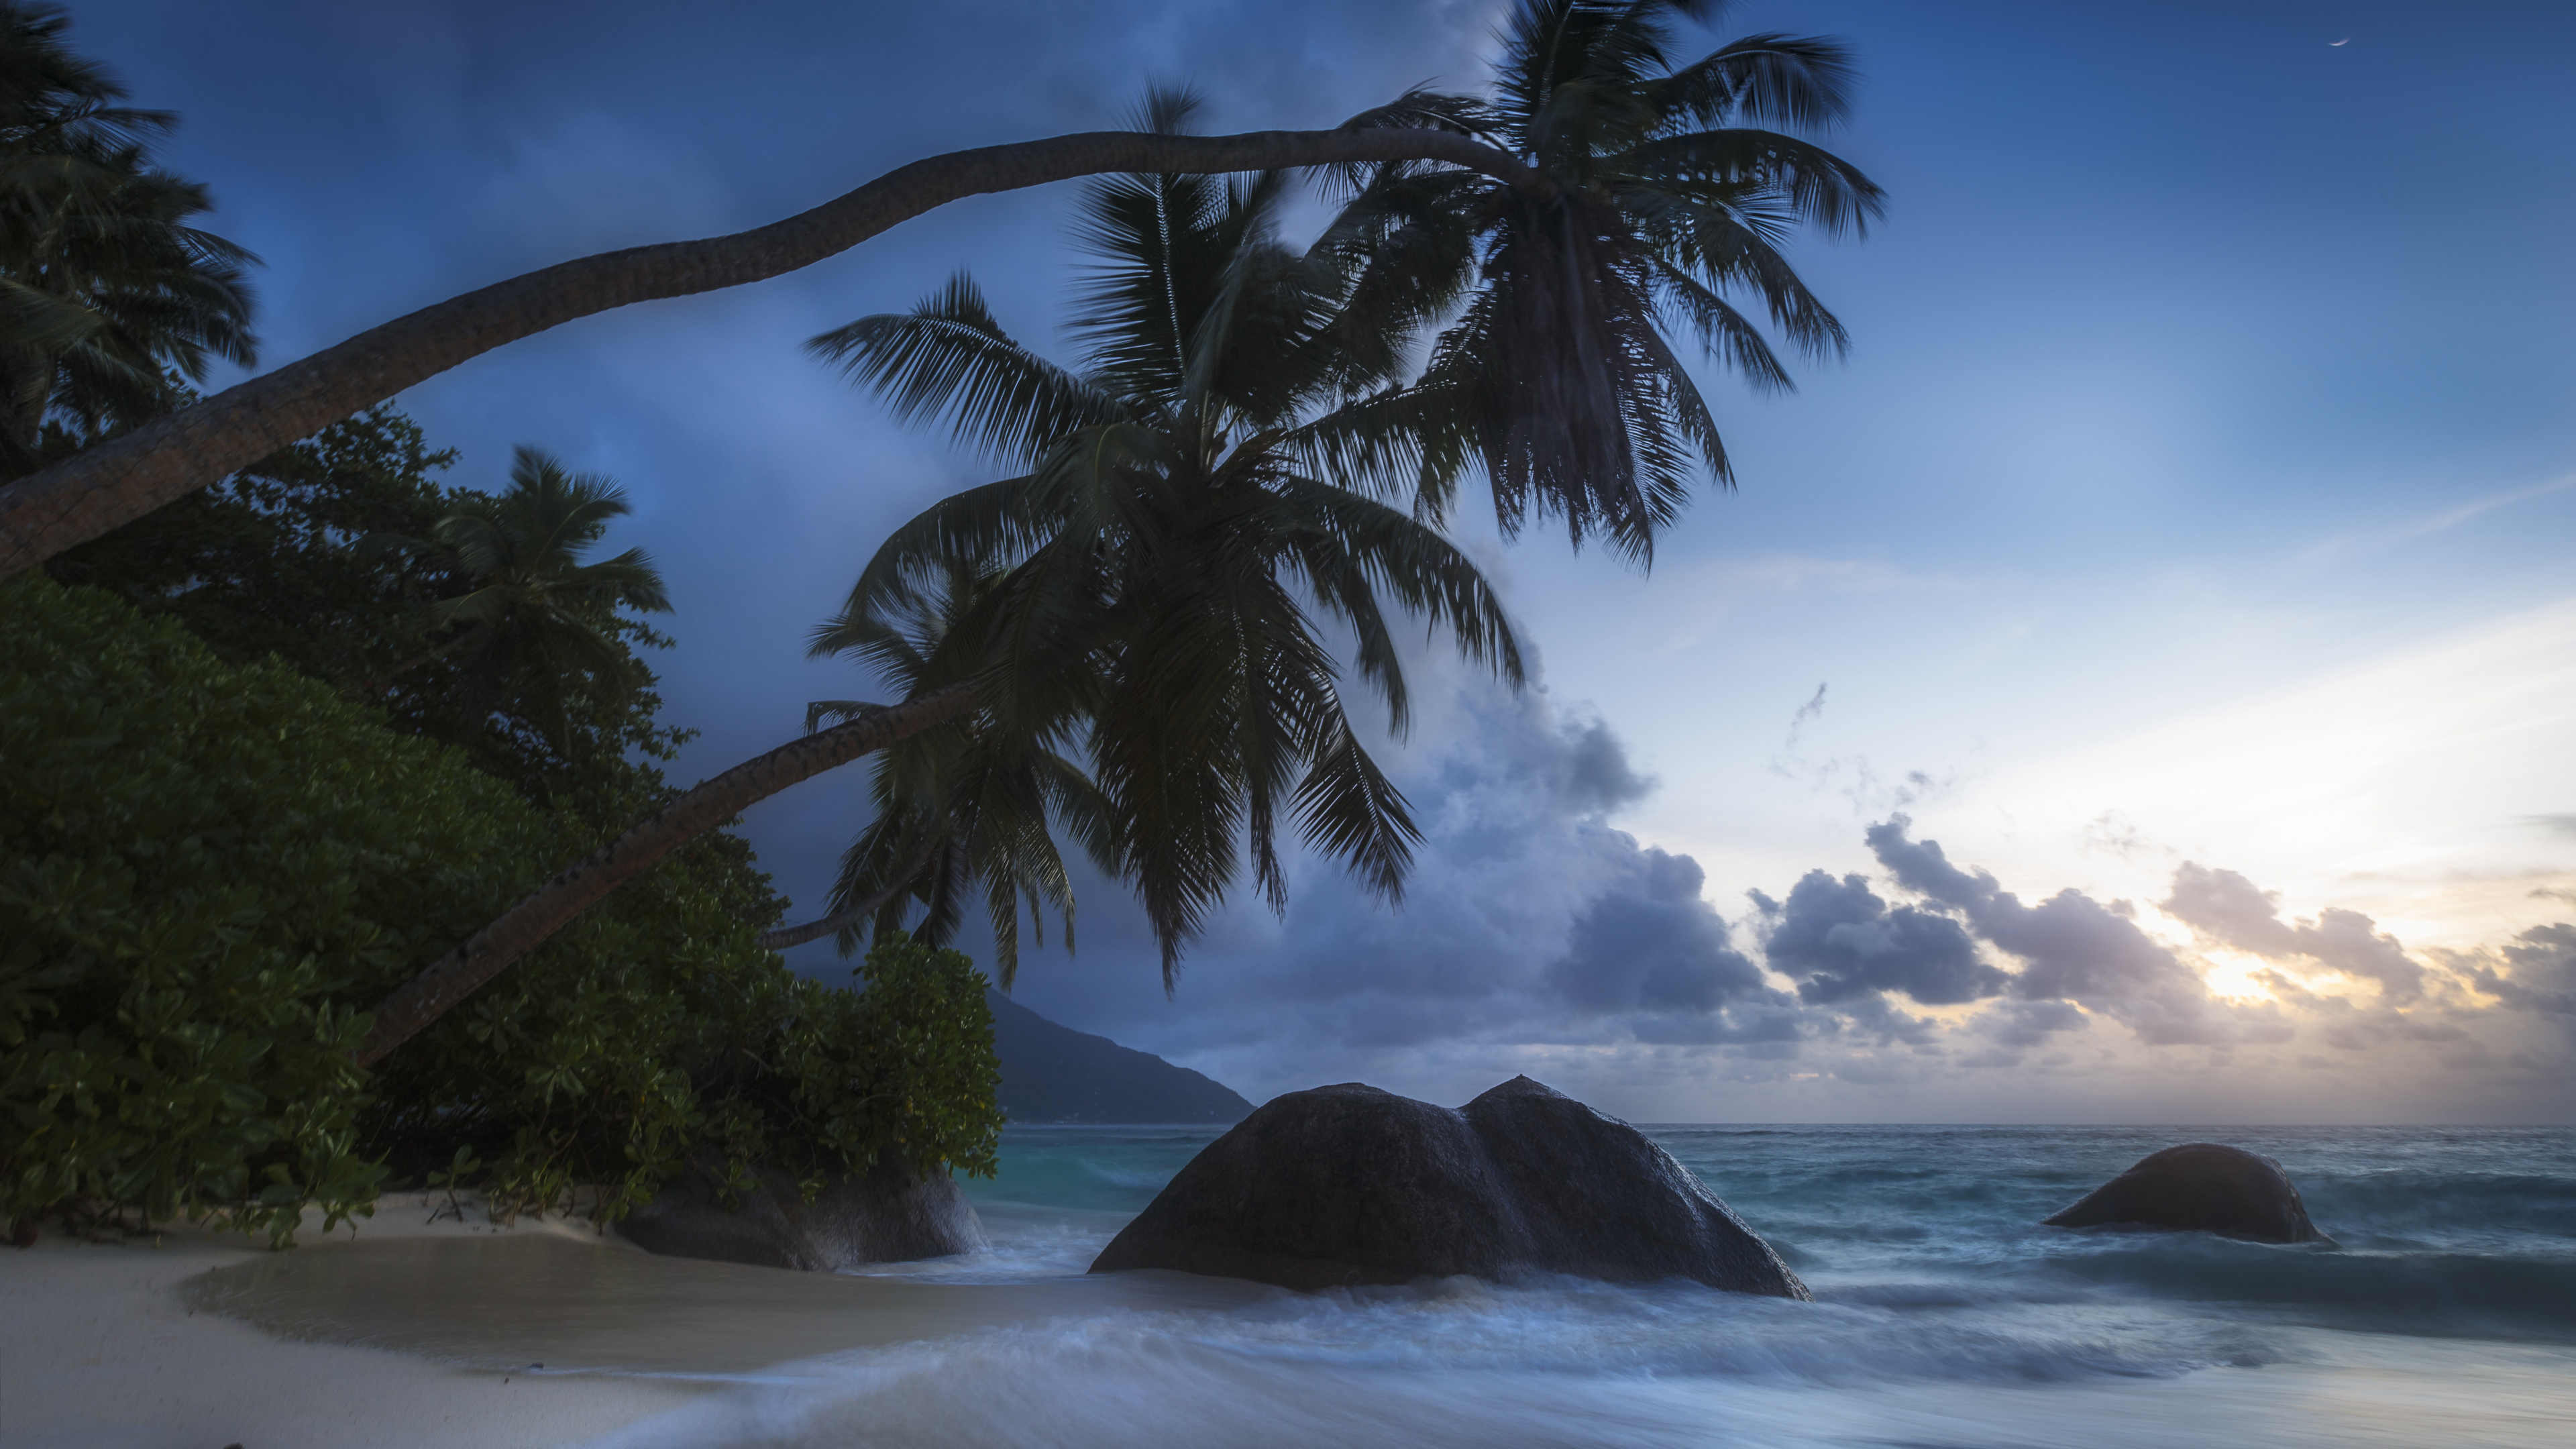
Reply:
x=2138, y=684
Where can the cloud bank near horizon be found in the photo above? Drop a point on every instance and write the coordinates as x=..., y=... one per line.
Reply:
x=1536, y=936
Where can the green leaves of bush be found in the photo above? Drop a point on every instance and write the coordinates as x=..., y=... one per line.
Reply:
x=208, y=871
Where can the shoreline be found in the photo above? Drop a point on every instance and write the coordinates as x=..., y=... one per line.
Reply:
x=99, y=1347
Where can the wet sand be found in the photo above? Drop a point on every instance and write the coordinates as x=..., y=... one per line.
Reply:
x=508, y=1303
x=101, y=1348
x=416, y=1331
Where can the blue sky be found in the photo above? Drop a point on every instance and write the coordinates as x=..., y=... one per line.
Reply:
x=2200, y=490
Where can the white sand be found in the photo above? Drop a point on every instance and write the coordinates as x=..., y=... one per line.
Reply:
x=97, y=1348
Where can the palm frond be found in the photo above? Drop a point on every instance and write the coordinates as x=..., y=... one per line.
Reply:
x=1806, y=82
x=949, y=359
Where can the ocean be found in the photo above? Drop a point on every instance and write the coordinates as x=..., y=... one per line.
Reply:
x=1944, y=1315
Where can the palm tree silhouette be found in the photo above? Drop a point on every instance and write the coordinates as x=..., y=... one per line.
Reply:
x=108, y=298
x=1157, y=574
x=1166, y=553
x=956, y=809
x=1661, y=195
x=534, y=615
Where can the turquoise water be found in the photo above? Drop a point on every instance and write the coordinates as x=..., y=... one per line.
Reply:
x=1944, y=1315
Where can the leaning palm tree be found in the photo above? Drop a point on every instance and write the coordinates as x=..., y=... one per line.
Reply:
x=534, y=614
x=1600, y=147
x=83, y=496
x=1157, y=558
x=1175, y=541
x=1663, y=200
x=959, y=810
x=1626, y=198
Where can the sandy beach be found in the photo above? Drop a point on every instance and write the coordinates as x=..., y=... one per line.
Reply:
x=1944, y=1315
x=99, y=1346
x=424, y=1328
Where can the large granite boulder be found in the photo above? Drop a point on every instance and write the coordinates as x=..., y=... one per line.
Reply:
x=885, y=1216
x=2200, y=1187
x=1349, y=1184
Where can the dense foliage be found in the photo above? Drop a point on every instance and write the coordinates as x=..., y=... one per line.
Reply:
x=207, y=869
x=284, y=560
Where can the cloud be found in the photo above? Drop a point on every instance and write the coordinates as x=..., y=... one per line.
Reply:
x=1531, y=925
x=1538, y=936
x=2540, y=975
x=1595, y=775
x=2027, y=1023
x=1650, y=943
x=2074, y=948
x=2233, y=911
x=1838, y=940
x=2437, y=522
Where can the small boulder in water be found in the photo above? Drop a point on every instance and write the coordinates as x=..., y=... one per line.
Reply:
x=1350, y=1184
x=884, y=1216
x=2200, y=1187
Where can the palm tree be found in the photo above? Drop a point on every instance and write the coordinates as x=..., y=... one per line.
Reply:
x=957, y=807
x=1150, y=563
x=1624, y=200
x=534, y=615
x=1662, y=201
x=100, y=487
x=1173, y=538
x=108, y=297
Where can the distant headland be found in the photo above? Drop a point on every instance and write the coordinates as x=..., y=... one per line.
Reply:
x=1053, y=1073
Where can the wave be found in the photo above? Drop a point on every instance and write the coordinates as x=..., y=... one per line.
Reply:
x=2418, y=1207
x=2444, y=1293
x=1147, y=1180
x=1461, y=1363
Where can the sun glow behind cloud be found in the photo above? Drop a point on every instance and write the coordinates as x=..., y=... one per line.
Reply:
x=2399, y=781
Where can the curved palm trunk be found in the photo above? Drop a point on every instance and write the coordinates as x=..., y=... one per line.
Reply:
x=786, y=936
x=552, y=906
x=116, y=482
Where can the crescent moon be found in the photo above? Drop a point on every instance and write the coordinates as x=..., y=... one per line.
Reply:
x=2347, y=40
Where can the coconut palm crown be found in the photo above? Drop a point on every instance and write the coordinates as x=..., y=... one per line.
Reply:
x=533, y=612
x=109, y=298
x=1174, y=545
x=960, y=810
x=1665, y=195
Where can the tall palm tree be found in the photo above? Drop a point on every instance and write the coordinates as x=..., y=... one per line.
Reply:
x=107, y=295
x=1155, y=560
x=534, y=614
x=1177, y=542
x=1624, y=198
x=958, y=808
x=1662, y=199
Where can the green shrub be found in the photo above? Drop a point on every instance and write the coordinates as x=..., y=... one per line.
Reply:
x=208, y=870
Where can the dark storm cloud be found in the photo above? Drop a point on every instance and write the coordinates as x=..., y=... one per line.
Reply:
x=1596, y=775
x=1650, y=943
x=2073, y=948
x=1839, y=941
x=2231, y=910
x=1530, y=925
